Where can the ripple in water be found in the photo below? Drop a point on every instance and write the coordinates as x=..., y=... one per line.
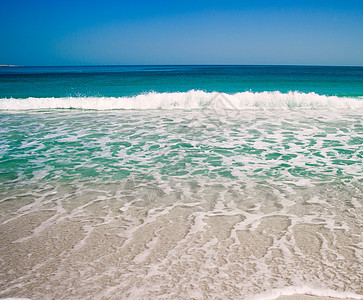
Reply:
x=180, y=204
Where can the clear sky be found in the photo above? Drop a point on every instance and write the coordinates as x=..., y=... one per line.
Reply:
x=46, y=32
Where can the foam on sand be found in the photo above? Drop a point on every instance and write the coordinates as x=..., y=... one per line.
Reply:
x=304, y=293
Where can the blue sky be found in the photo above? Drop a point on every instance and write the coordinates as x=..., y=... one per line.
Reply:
x=40, y=32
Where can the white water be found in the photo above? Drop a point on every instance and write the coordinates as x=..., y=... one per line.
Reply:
x=296, y=290
x=282, y=225
x=190, y=100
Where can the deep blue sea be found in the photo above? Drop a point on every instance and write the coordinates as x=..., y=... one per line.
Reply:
x=181, y=182
x=121, y=81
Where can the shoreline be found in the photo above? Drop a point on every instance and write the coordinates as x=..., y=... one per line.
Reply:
x=312, y=297
x=305, y=293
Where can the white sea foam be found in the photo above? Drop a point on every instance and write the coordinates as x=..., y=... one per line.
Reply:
x=141, y=203
x=190, y=100
x=296, y=290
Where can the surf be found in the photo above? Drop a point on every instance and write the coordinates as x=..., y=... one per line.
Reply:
x=191, y=100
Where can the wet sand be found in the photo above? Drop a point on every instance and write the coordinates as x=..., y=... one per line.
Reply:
x=154, y=232
x=309, y=297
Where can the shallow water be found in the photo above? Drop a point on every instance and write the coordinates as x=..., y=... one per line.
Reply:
x=180, y=204
x=181, y=182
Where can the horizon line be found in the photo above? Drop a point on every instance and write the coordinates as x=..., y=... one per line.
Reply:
x=166, y=65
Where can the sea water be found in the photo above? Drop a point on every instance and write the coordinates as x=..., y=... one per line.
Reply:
x=181, y=182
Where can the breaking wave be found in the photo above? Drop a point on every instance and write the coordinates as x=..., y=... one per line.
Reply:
x=191, y=100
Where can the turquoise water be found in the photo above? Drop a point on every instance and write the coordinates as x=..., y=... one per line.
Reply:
x=120, y=81
x=151, y=181
x=67, y=146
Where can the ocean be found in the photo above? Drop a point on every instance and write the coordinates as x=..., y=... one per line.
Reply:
x=181, y=182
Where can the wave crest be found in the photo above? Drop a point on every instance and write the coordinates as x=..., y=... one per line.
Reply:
x=190, y=100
